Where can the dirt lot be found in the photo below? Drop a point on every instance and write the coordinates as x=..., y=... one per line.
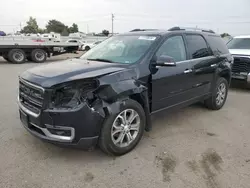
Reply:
x=192, y=148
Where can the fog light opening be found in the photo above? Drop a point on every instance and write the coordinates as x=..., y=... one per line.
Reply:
x=59, y=132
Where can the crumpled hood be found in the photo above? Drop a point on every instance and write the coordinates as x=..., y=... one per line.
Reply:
x=73, y=69
x=244, y=52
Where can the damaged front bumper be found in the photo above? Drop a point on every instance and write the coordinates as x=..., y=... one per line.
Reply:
x=75, y=128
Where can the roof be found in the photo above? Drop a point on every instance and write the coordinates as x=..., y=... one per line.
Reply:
x=147, y=32
x=177, y=29
x=164, y=32
x=242, y=37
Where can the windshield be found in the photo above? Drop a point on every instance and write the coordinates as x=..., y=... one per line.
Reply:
x=121, y=49
x=239, y=43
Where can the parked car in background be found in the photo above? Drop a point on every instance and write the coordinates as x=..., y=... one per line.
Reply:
x=78, y=35
x=239, y=47
x=79, y=42
x=106, y=96
x=88, y=45
x=2, y=33
x=83, y=46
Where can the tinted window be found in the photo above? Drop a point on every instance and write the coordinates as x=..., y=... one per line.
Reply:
x=173, y=47
x=239, y=43
x=218, y=45
x=197, y=46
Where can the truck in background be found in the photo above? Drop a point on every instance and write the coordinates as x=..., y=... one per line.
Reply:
x=37, y=51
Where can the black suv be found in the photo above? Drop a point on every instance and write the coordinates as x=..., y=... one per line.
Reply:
x=106, y=96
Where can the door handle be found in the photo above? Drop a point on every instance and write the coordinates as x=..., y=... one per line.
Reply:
x=188, y=71
x=213, y=65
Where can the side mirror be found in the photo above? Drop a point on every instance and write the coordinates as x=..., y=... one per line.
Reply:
x=165, y=61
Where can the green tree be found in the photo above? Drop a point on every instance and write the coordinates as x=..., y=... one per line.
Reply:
x=55, y=26
x=41, y=31
x=105, y=32
x=65, y=32
x=73, y=28
x=31, y=27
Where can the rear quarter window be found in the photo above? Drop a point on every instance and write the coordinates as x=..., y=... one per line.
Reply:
x=197, y=46
x=217, y=45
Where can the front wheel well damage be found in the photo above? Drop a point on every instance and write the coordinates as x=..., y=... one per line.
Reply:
x=110, y=98
x=226, y=75
x=105, y=108
x=138, y=98
x=142, y=99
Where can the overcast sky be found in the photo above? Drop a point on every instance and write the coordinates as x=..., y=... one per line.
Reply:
x=220, y=15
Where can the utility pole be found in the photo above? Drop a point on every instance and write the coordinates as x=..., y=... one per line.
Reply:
x=112, y=19
x=87, y=28
x=20, y=26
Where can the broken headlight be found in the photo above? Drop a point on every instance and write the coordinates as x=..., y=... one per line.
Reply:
x=72, y=96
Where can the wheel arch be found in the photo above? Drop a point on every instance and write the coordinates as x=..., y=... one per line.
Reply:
x=142, y=99
x=225, y=74
x=115, y=94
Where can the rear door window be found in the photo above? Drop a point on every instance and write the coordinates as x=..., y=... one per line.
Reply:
x=197, y=46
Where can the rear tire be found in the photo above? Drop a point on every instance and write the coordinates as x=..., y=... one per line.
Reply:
x=118, y=139
x=87, y=48
x=38, y=56
x=219, y=95
x=17, y=56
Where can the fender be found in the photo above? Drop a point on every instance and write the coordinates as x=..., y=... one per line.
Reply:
x=223, y=70
x=119, y=90
x=114, y=95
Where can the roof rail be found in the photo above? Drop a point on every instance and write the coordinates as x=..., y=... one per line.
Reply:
x=190, y=29
x=135, y=30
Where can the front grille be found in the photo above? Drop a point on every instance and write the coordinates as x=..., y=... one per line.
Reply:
x=241, y=64
x=31, y=96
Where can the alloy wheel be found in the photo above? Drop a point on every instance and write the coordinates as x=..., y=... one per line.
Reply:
x=125, y=128
x=221, y=94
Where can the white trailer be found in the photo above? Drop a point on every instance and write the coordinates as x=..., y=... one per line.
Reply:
x=36, y=51
x=55, y=37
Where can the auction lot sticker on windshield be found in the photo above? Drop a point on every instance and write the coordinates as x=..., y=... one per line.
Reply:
x=147, y=38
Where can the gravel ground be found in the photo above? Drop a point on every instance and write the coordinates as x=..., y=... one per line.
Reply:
x=191, y=148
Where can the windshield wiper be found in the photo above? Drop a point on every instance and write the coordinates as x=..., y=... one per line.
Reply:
x=102, y=60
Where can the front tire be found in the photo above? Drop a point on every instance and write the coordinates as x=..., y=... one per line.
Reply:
x=123, y=130
x=219, y=95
